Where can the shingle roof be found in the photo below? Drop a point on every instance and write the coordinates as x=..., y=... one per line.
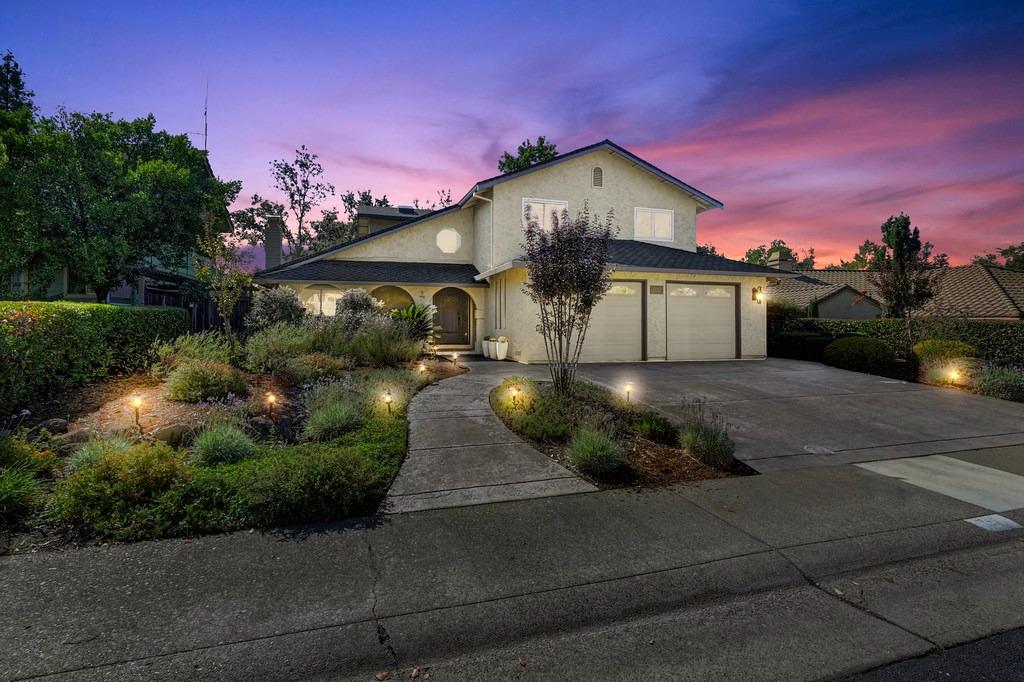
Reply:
x=399, y=212
x=358, y=271
x=647, y=256
x=964, y=291
x=802, y=290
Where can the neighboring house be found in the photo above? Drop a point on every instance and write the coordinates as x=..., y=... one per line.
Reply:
x=666, y=301
x=370, y=219
x=970, y=291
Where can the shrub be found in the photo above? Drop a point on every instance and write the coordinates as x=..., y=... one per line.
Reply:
x=199, y=380
x=860, y=354
x=93, y=450
x=654, y=427
x=48, y=347
x=206, y=345
x=1004, y=383
x=222, y=444
x=546, y=419
x=383, y=342
x=16, y=452
x=705, y=434
x=799, y=345
x=109, y=496
x=273, y=306
x=418, y=319
x=595, y=453
x=271, y=349
x=997, y=341
x=355, y=307
x=780, y=314
x=312, y=367
x=940, y=350
x=20, y=491
x=329, y=421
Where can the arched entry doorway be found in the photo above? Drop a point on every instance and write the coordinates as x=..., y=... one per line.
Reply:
x=393, y=297
x=454, y=315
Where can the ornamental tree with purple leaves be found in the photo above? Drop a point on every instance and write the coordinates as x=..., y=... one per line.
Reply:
x=567, y=264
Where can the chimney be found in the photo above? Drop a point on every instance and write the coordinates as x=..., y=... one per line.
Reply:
x=272, y=240
x=782, y=260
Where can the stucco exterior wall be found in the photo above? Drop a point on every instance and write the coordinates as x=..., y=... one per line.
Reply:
x=846, y=305
x=625, y=188
x=418, y=243
x=482, y=236
x=527, y=345
x=423, y=294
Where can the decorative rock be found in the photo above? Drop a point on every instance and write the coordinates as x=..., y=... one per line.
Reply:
x=53, y=426
x=262, y=427
x=67, y=442
x=172, y=434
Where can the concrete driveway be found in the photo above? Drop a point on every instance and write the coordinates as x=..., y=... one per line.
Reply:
x=787, y=414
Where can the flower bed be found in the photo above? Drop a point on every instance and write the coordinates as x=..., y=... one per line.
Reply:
x=612, y=442
x=286, y=429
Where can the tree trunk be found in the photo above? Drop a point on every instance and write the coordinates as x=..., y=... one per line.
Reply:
x=101, y=294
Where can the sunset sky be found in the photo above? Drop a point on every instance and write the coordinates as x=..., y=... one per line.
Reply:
x=812, y=122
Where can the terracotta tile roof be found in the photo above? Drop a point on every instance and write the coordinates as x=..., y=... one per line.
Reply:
x=963, y=291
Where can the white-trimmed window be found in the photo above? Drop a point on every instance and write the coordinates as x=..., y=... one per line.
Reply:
x=541, y=210
x=653, y=224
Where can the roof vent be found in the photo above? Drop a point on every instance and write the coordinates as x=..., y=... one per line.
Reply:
x=598, y=177
x=407, y=210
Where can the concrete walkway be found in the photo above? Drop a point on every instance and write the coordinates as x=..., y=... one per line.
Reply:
x=461, y=454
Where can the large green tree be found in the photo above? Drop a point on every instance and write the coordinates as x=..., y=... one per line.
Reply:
x=905, y=273
x=13, y=93
x=864, y=259
x=1011, y=257
x=528, y=154
x=761, y=254
x=104, y=197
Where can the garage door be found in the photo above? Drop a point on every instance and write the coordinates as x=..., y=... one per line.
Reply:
x=701, y=321
x=616, y=331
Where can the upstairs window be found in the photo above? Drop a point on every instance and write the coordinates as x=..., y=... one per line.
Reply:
x=653, y=224
x=597, y=177
x=541, y=210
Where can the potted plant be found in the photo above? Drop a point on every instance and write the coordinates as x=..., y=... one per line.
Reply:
x=501, y=347
x=489, y=347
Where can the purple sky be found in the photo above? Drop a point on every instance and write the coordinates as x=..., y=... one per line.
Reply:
x=811, y=123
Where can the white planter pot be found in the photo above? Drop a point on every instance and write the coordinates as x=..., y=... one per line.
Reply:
x=485, y=346
x=500, y=349
x=490, y=349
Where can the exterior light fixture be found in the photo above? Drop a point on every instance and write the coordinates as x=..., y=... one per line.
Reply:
x=953, y=374
x=629, y=389
x=455, y=359
x=271, y=399
x=757, y=295
x=387, y=399
x=136, y=404
x=513, y=391
x=423, y=368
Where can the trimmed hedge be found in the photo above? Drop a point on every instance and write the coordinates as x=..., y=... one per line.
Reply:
x=48, y=347
x=997, y=341
x=860, y=354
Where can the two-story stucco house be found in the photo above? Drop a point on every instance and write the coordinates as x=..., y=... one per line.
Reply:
x=667, y=302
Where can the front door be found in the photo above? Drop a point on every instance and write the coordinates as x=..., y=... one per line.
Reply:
x=453, y=316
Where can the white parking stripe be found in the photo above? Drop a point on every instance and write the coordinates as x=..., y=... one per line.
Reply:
x=983, y=486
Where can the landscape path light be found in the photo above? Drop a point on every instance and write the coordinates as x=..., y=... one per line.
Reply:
x=136, y=404
x=629, y=389
x=387, y=399
x=271, y=399
x=423, y=368
x=513, y=391
x=455, y=359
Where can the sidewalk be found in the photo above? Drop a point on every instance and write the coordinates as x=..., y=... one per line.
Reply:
x=800, y=574
x=461, y=454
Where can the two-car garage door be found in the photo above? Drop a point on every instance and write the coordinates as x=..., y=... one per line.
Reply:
x=700, y=323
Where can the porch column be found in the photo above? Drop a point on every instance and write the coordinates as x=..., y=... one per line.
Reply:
x=478, y=324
